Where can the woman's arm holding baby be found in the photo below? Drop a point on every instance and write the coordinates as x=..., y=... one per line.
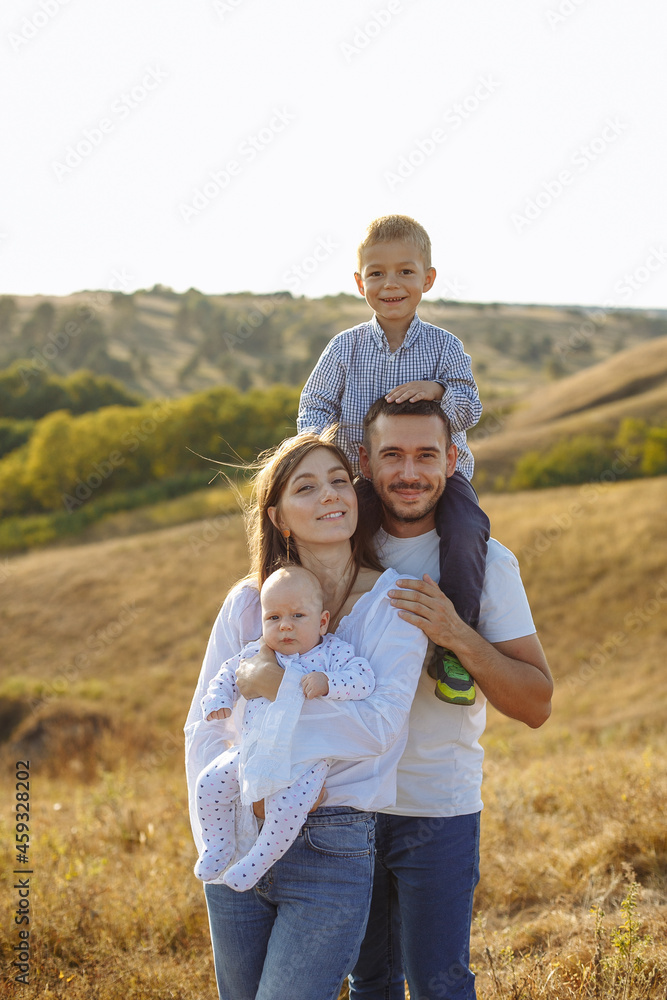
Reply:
x=260, y=676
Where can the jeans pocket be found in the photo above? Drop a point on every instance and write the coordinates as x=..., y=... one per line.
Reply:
x=341, y=840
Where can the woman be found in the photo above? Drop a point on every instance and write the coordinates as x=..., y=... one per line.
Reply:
x=297, y=933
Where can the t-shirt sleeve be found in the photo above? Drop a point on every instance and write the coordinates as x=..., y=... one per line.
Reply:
x=504, y=609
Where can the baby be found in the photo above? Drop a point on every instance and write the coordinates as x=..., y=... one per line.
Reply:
x=294, y=625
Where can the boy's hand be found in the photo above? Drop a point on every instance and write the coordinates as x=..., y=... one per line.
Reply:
x=220, y=713
x=315, y=684
x=414, y=391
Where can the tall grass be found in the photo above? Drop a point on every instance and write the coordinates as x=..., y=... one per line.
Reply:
x=117, y=911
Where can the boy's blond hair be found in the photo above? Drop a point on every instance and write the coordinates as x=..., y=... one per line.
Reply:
x=396, y=227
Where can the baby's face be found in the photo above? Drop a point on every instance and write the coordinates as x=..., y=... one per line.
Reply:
x=292, y=620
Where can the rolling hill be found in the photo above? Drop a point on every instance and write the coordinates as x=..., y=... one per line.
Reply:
x=162, y=343
x=632, y=383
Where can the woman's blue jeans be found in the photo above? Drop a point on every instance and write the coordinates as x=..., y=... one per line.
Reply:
x=426, y=871
x=297, y=933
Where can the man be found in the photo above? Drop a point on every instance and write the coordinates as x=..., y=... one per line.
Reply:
x=427, y=863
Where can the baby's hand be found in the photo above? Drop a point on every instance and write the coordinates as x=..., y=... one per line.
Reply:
x=414, y=391
x=315, y=684
x=220, y=713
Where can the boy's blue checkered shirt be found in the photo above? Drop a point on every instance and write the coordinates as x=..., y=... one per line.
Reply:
x=357, y=367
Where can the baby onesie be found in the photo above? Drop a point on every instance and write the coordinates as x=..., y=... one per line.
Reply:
x=218, y=786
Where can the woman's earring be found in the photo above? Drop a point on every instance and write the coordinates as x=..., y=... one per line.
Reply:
x=286, y=535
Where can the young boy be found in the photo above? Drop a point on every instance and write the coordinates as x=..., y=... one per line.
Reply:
x=294, y=624
x=398, y=356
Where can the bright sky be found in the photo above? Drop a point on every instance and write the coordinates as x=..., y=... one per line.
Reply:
x=239, y=145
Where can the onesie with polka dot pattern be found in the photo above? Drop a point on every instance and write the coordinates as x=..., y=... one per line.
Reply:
x=350, y=679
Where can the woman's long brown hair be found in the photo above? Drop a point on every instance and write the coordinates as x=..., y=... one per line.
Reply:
x=268, y=547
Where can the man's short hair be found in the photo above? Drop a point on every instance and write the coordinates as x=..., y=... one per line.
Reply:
x=422, y=408
x=395, y=227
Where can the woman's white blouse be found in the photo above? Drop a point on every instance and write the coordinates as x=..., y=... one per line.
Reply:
x=363, y=739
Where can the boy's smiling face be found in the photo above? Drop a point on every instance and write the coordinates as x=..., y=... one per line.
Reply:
x=393, y=279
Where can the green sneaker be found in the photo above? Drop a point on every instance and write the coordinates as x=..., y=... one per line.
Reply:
x=454, y=684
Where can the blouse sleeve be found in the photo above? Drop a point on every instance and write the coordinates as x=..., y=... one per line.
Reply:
x=237, y=623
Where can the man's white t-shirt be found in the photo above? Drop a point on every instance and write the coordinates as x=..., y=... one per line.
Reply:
x=440, y=772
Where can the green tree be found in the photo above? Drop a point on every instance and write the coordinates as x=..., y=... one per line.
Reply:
x=8, y=310
x=654, y=455
x=51, y=464
x=78, y=336
x=30, y=392
x=86, y=392
x=123, y=316
x=40, y=324
x=27, y=391
x=14, y=433
x=71, y=459
x=581, y=459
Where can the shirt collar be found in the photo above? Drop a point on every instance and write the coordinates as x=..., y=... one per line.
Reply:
x=412, y=333
x=383, y=538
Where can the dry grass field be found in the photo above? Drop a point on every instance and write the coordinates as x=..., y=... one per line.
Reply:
x=102, y=644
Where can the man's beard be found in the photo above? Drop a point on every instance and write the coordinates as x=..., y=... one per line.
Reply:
x=413, y=515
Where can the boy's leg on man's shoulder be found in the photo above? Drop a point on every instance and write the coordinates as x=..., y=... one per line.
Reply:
x=464, y=534
x=431, y=867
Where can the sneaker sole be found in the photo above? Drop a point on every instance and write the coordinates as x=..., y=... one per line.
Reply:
x=452, y=697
